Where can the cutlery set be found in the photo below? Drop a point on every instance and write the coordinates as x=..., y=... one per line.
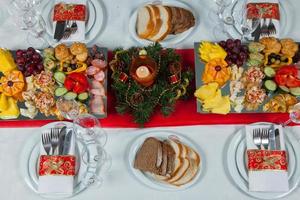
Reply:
x=266, y=138
x=64, y=29
x=57, y=141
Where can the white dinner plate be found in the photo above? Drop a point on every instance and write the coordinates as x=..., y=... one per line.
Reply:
x=29, y=160
x=236, y=166
x=286, y=17
x=96, y=16
x=147, y=178
x=170, y=39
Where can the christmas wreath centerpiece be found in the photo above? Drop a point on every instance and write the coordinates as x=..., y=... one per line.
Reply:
x=147, y=78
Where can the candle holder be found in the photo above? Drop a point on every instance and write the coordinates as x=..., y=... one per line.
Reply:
x=143, y=69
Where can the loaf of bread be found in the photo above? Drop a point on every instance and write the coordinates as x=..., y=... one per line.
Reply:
x=156, y=22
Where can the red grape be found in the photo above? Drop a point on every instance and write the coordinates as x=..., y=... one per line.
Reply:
x=40, y=66
x=36, y=56
x=239, y=63
x=19, y=53
x=237, y=42
x=222, y=43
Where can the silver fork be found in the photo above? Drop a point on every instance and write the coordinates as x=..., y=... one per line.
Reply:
x=272, y=28
x=54, y=140
x=74, y=27
x=46, y=140
x=265, y=138
x=67, y=32
x=264, y=28
x=257, y=137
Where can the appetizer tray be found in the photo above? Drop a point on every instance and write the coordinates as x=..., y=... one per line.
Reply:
x=257, y=77
x=42, y=78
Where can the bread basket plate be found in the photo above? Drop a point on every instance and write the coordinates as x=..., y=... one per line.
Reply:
x=170, y=39
x=148, y=179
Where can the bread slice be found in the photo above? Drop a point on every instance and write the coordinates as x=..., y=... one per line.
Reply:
x=191, y=172
x=165, y=16
x=159, y=158
x=146, y=157
x=164, y=166
x=181, y=171
x=144, y=23
x=156, y=20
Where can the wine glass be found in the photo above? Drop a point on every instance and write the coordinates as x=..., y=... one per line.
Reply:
x=94, y=156
x=69, y=109
x=88, y=129
x=35, y=23
x=92, y=180
x=249, y=21
x=294, y=115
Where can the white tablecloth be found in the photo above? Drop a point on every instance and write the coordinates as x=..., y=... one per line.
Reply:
x=115, y=33
x=120, y=183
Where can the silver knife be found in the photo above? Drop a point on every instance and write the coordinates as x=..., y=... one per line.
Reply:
x=277, y=139
x=62, y=135
x=272, y=141
x=67, y=143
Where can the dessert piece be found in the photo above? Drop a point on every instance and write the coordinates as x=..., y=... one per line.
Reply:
x=156, y=22
x=169, y=161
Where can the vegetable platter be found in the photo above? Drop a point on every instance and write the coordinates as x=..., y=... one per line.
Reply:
x=257, y=77
x=32, y=82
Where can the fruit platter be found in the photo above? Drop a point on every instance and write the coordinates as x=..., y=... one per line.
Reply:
x=40, y=84
x=256, y=77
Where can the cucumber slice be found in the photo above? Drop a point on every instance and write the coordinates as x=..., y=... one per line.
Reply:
x=60, y=91
x=284, y=88
x=83, y=96
x=59, y=77
x=270, y=85
x=295, y=91
x=70, y=96
x=269, y=72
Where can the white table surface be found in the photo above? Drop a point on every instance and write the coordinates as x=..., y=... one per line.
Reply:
x=115, y=33
x=119, y=183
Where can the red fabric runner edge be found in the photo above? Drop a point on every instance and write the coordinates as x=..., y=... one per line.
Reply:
x=185, y=112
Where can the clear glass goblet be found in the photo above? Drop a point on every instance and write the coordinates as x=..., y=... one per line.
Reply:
x=88, y=129
x=94, y=156
x=36, y=26
x=294, y=115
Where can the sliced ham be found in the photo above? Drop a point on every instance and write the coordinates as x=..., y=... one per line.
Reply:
x=99, y=63
x=100, y=76
x=91, y=70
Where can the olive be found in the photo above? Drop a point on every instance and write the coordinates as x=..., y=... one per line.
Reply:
x=73, y=66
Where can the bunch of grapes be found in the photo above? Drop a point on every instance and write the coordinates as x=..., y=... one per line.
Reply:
x=29, y=61
x=236, y=52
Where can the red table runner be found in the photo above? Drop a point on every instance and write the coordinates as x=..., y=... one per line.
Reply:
x=185, y=112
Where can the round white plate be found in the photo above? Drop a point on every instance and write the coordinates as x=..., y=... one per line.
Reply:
x=235, y=164
x=95, y=23
x=29, y=160
x=148, y=179
x=170, y=39
x=286, y=17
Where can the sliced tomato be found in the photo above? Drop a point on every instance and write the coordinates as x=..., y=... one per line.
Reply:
x=292, y=82
x=280, y=79
x=288, y=70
